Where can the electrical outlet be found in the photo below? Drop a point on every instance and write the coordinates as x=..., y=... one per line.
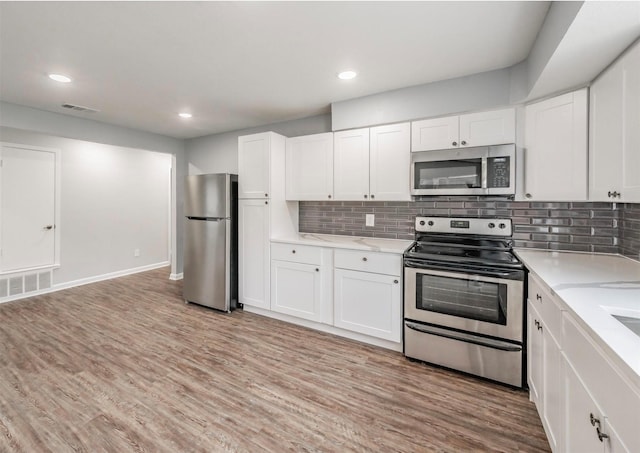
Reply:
x=369, y=220
x=136, y=252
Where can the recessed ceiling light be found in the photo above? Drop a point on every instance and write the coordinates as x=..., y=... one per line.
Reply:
x=60, y=78
x=185, y=115
x=346, y=75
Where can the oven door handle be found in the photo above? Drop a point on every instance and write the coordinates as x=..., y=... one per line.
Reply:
x=512, y=274
x=466, y=337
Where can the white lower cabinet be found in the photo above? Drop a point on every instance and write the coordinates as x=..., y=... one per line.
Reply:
x=368, y=303
x=355, y=291
x=585, y=404
x=299, y=284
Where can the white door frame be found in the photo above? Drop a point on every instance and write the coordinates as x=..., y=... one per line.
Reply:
x=56, y=207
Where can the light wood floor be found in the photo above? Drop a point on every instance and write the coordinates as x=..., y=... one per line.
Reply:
x=126, y=366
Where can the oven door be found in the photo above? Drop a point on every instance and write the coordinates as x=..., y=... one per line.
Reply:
x=482, y=304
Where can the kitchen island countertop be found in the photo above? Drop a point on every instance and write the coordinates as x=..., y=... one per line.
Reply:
x=593, y=287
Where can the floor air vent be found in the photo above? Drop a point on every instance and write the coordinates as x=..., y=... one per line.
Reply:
x=23, y=284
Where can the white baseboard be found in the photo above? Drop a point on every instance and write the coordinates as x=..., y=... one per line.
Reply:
x=326, y=328
x=86, y=281
x=179, y=276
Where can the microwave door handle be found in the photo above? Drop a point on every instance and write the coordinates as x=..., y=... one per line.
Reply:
x=484, y=172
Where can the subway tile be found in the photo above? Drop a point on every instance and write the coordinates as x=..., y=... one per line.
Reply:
x=551, y=237
x=605, y=249
x=591, y=205
x=464, y=212
x=530, y=212
x=513, y=204
x=450, y=204
x=570, y=247
x=593, y=222
x=530, y=229
x=570, y=230
x=549, y=205
x=520, y=220
x=570, y=214
x=435, y=212
x=531, y=244
x=495, y=212
x=603, y=214
x=480, y=204
x=549, y=221
x=604, y=232
x=592, y=240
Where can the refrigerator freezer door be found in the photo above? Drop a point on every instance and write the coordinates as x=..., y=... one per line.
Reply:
x=207, y=196
x=207, y=263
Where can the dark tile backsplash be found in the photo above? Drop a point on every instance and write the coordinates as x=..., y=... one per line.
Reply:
x=629, y=228
x=587, y=227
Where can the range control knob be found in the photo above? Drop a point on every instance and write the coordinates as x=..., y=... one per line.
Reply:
x=502, y=226
x=492, y=225
x=430, y=222
x=422, y=222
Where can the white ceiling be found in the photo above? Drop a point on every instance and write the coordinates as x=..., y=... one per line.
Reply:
x=242, y=64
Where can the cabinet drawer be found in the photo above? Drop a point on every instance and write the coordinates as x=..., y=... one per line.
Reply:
x=296, y=253
x=379, y=263
x=547, y=305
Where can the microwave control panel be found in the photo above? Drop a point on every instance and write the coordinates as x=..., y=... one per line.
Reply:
x=498, y=172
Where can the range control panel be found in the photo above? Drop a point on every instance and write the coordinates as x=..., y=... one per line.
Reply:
x=485, y=227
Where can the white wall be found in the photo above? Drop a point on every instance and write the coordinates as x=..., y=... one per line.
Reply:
x=219, y=153
x=72, y=127
x=113, y=200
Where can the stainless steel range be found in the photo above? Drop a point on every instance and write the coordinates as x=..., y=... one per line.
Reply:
x=464, y=297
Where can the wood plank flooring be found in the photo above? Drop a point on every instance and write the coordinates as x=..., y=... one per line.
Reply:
x=126, y=366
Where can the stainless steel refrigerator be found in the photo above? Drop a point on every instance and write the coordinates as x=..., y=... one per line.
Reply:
x=211, y=241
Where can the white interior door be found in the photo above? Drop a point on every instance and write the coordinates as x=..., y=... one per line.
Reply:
x=27, y=194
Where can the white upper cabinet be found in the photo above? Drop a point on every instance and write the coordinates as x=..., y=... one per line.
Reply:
x=351, y=164
x=493, y=127
x=556, y=148
x=309, y=167
x=614, y=132
x=390, y=163
x=372, y=164
x=436, y=133
x=254, y=165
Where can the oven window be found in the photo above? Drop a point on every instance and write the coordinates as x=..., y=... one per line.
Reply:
x=472, y=299
x=448, y=174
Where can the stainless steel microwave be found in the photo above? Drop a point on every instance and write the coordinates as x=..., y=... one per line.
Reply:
x=485, y=170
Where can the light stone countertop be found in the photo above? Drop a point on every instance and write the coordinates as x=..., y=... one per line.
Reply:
x=347, y=242
x=593, y=287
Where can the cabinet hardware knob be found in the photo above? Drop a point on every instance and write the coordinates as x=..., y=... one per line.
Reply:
x=601, y=436
x=48, y=227
x=329, y=196
x=454, y=143
x=266, y=194
x=364, y=258
x=317, y=270
x=365, y=196
x=395, y=281
x=463, y=142
x=527, y=195
x=614, y=194
x=372, y=196
x=293, y=251
x=266, y=202
x=538, y=297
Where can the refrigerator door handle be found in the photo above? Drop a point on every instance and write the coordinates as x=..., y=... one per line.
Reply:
x=208, y=219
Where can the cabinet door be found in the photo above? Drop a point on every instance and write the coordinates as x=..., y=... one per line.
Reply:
x=488, y=128
x=580, y=434
x=368, y=303
x=253, y=249
x=534, y=357
x=296, y=289
x=436, y=133
x=390, y=163
x=605, y=135
x=309, y=167
x=351, y=165
x=253, y=166
x=556, y=148
x=631, y=126
x=551, y=388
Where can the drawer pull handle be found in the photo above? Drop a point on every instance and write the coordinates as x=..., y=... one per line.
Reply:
x=596, y=422
x=364, y=259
